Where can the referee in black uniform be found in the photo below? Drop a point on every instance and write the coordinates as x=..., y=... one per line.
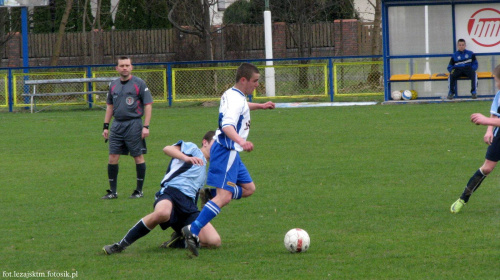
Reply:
x=128, y=100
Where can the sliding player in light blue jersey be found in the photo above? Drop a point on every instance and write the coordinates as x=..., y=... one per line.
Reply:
x=492, y=139
x=227, y=172
x=175, y=203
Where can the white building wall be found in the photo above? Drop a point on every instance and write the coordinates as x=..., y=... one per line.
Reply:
x=365, y=9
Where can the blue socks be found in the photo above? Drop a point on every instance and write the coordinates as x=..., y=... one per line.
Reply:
x=209, y=211
x=237, y=193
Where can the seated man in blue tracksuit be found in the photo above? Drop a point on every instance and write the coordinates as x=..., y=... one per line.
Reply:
x=462, y=63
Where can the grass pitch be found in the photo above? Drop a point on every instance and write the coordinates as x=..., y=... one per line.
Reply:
x=372, y=185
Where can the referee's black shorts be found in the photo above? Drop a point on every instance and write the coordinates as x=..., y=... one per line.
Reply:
x=126, y=137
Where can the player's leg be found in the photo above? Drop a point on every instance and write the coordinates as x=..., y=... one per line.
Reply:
x=452, y=82
x=209, y=237
x=161, y=214
x=492, y=157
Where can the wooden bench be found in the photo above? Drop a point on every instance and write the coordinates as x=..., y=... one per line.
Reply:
x=433, y=77
x=34, y=83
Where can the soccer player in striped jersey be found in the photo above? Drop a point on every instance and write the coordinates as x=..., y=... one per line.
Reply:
x=175, y=203
x=492, y=139
x=227, y=172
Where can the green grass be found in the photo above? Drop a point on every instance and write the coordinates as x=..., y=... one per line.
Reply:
x=372, y=185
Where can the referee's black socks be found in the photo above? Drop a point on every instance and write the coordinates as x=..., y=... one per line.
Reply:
x=112, y=176
x=141, y=174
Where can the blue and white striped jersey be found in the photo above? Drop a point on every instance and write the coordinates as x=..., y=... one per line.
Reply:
x=186, y=177
x=234, y=111
x=495, y=109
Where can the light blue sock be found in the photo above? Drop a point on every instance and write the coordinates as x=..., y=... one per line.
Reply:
x=209, y=211
x=238, y=192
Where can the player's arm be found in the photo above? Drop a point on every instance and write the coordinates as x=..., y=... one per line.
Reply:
x=175, y=152
x=148, y=108
x=479, y=118
x=451, y=64
x=474, y=63
x=230, y=132
x=107, y=119
x=255, y=106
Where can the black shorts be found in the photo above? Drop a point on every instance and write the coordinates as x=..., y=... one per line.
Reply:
x=184, y=210
x=493, y=152
x=126, y=137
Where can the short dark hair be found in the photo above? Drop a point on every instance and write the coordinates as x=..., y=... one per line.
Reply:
x=123, y=58
x=246, y=70
x=496, y=71
x=209, y=135
x=461, y=40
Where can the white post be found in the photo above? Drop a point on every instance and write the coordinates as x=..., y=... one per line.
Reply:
x=427, y=70
x=270, y=86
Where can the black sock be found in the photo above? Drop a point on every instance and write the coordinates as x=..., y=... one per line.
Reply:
x=141, y=174
x=473, y=184
x=136, y=232
x=112, y=176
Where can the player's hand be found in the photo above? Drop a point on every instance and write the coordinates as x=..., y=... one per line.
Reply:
x=268, y=105
x=479, y=118
x=145, y=132
x=194, y=161
x=247, y=146
x=488, y=137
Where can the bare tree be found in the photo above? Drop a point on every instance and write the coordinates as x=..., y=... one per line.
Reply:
x=376, y=43
x=60, y=34
x=193, y=17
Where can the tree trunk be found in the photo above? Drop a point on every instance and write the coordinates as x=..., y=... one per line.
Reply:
x=60, y=34
x=206, y=29
x=374, y=76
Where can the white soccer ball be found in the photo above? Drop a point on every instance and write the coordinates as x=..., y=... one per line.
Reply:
x=407, y=94
x=396, y=95
x=297, y=240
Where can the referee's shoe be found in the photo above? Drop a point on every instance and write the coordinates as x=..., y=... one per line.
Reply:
x=136, y=194
x=110, y=195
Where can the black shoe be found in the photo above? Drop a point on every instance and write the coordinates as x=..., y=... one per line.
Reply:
x=450, y=96
x=176, y=241
x=136, y=194
x=113, y=249
x=192, y=241
x=205, y=196
x=110, y=195
x=474, y=96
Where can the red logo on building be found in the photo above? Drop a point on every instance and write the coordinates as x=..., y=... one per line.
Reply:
x=484, y=27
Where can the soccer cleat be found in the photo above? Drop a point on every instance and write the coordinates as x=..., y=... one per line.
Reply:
x=474, y=96
x=113, y=249
x=205, y=196
x=457, y=206
x=450, y=96
x=192, y=241
x=136, y=194
x=110, y=195
x=176, y=241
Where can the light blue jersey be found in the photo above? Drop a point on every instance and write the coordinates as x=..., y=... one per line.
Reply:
x=233, y=111
x=495, y=109
x=186, y=177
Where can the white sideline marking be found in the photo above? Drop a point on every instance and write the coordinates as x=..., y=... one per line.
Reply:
x=322, y=104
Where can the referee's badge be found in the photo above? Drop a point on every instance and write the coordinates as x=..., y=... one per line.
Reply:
x=129, y=101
